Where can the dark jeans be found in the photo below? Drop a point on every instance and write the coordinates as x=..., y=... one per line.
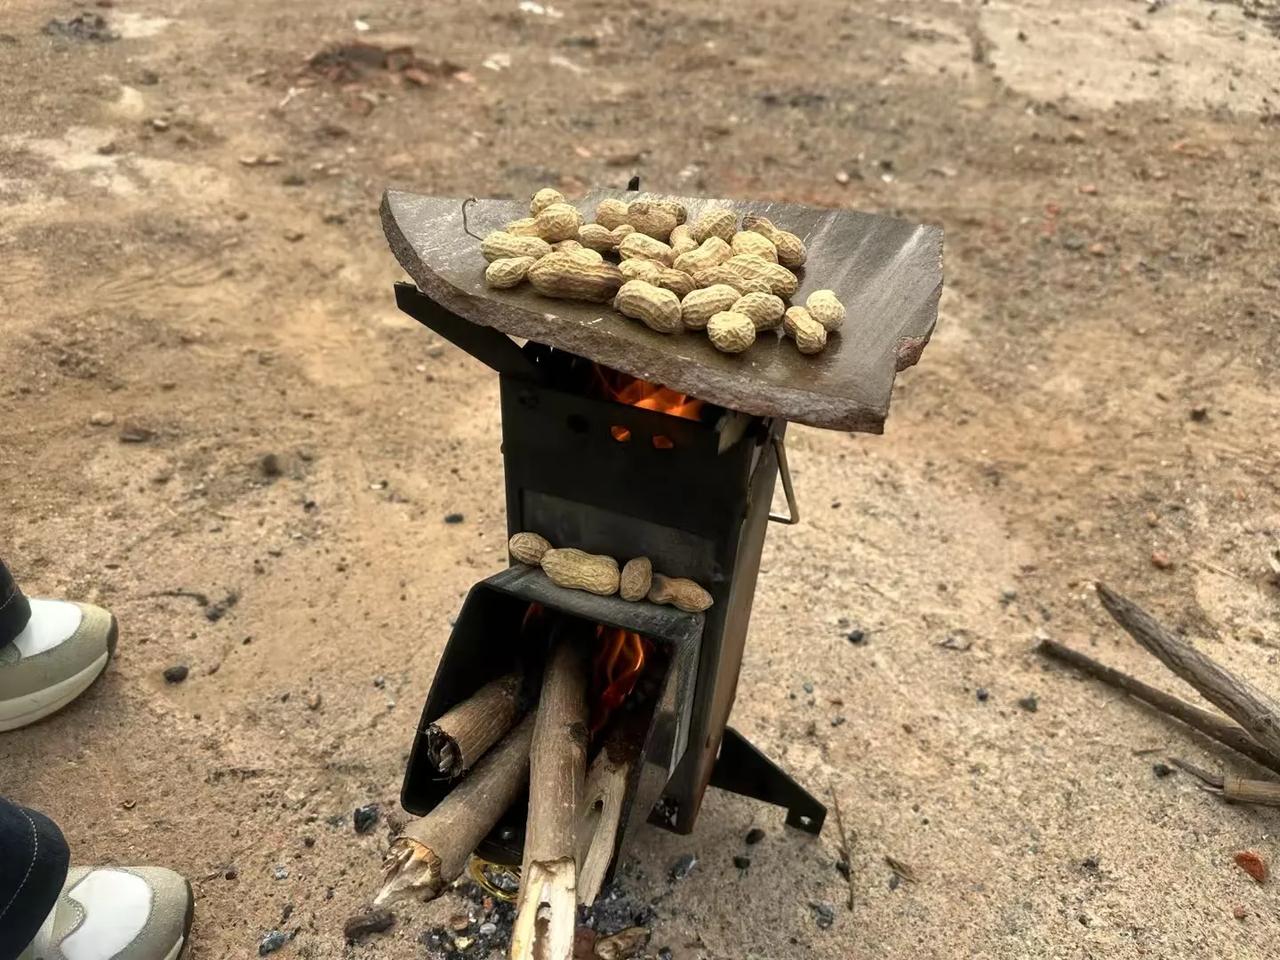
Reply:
x=14, y=609
x=33, y=854
x=33, y=866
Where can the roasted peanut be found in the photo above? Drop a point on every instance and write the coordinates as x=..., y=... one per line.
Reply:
x=559, y=221
x=764, y=309
x=499, y=245
x=566, y=246
x=651, y=219
x=781, y=281
x=636, y=579
x=543, y=199
x=710, y=253
x=748, y=241
x=677, y=281
x=595, y=236
x=568, y=277
x=699, y=306
x=678, y=592
x=507, y=272
x=731, y=332
x=659, y=309
x=677, y=210
x=611, y=213
x=791, y=251
x=724, y=275
x=715, y=223
x=640, y=269
x=578, y=570
x=645, y=247
x=585, y=254
x=810, y=336
x=527, y=227
x=825, y=307
x=681, y=240
x=528, y=548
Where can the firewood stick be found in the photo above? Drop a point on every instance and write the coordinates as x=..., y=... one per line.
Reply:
x=1235, y=789
x=1209, y=724
x=460, y=738
x=557, y=767
x=432, y=851
x=601, y=816
x=1238, y=699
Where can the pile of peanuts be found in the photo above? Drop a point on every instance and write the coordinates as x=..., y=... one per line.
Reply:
x=671, y=275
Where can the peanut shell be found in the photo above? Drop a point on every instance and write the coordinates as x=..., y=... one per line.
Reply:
x=506, y=272
x=528, y=548
x=578, y=570
x=636, y=579
x=701, y=305
x=567, y=277
x=657, y=308
x=764, y=309
x=825, y=307
x=731, y=332
x=500, y=244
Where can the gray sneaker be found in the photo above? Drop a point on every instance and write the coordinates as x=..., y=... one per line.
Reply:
x=117, y=913
x=64, y=648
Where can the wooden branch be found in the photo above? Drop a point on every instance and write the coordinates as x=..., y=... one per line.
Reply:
x=1209, y=724
x=1238, y=699
x=557, y=767
x=460, y=738
x=600, y=817
x=432, y=851
x=1235, y=789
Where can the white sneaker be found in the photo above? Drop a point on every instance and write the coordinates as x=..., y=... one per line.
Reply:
x=63, y=648
x=117, y=913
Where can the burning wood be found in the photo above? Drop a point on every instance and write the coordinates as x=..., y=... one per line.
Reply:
x=458, y=739
x=547, y=906
x=432, y=851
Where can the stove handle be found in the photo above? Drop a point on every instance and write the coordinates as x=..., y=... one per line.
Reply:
x=792, y=515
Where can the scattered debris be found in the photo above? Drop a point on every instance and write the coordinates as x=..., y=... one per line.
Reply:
x=135, y=433
x=176, y=673
x=823, y=913
x=754, y=836
x=376, y=920
x=622, y=945
x=683, y=867
x=272, y=942
x=89, y=27
x=355, y=61
x=1029, y=703
x=365, y=818
x=901, y=869
x=102, y=418
x=1252, y=863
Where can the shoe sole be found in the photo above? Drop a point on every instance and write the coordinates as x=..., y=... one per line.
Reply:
x=25, y=710
x=179, y=948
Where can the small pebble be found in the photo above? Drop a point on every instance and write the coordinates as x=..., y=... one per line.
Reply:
x=894, y=882
x=230, y=873
x=1090, y=863
x=1008, y=595
x=1162, y=770
x=1029, y=703
x=823, y=912
x=280, y=872
x=754, y=836
x=1160, y=560
x=103, y=418
x=1199, y=414
x=1239, y=912
x=365, y=818
x=683, y=867
x=741, y=862
x=665, y=954
x=272, y=942
x=983, y=694
x=453, y=518
x=488, y=928
x=1252, y=863
x=842, y=177
x=363, y=924
x=176, y=673
x=270, y=465
x=807, y=686
x=856, y=636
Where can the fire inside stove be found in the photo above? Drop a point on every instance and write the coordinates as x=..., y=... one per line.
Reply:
x=634, y=392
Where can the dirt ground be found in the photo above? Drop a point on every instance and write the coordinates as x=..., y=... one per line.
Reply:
x=190, y=250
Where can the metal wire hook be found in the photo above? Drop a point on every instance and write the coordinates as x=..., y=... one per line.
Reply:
x=465, y=228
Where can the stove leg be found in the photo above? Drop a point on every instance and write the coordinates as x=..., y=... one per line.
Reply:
x=742, y=769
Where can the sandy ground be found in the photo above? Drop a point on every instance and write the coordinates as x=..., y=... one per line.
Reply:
x=1106, y=176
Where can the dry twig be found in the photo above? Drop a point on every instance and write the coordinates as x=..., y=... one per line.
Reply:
x=846, y=851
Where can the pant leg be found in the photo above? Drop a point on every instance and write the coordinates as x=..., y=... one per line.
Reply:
x=33, y=867
x=14, y=609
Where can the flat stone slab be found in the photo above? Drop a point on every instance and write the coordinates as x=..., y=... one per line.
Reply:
x=887, y=272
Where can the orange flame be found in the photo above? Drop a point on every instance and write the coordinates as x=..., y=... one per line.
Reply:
x=618, y=664
x=648, y=396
